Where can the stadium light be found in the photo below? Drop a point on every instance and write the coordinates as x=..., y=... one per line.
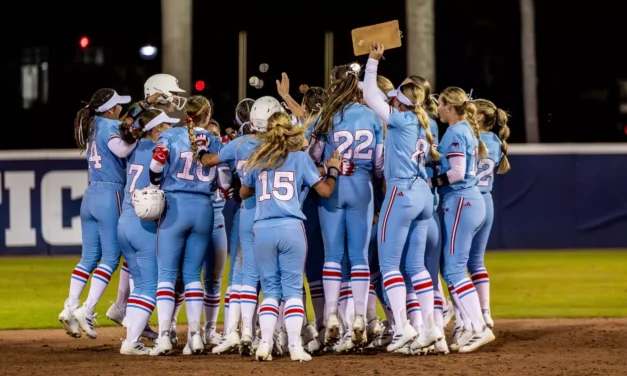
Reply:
x=148, y=52
x=200, y=85
x=84, y=42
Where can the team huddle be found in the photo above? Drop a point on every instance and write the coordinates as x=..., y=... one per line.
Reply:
x=352, y=189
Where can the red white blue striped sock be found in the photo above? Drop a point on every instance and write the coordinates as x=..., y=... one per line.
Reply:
x=317, y=301
x=268, y=317
x=248, y=302
x=165, y=305
x=360, y=282
x=413, y=311
x=193, y=301
x=124, y=288
x=99, y=282
x=211, y=308
x=234, y=310
x=438, y=310
x=461, y=318
x=331, y=280
x=423, y=287
x=227, y=299
x=294, y=315
x=467, y=294
x=347, y=305
x=394, y=286
x=80, y=275
x=138, y=311
x=481, y=280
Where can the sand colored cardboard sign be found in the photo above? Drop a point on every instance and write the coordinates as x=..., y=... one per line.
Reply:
x=387, y=33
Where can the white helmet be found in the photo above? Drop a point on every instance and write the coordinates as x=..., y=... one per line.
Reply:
x=263, y=108
x=168, y=85
x=148, y=203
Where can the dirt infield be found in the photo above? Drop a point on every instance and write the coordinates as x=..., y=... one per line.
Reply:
x=523, y=347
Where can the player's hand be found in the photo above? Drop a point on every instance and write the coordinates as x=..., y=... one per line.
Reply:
x=202, y=142
x=152, y=99
x=347, y=168
x=376, y=51
x=334, y=161
x=384, y=186
x=227, y=194
x=375, y=219
x=283, y=86
x=232, y=133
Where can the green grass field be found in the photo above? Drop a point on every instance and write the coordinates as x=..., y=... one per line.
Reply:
x=524, y=285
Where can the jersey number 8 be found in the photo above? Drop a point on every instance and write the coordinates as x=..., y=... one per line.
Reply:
x=421, y=148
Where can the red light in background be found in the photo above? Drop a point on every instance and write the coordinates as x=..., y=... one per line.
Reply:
x=200, y=85
x=84, y=42
x=625, y=130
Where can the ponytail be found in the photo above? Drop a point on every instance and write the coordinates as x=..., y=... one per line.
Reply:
x=82, y=127
x=471, y=111
x=423, y=119
x=503, y=134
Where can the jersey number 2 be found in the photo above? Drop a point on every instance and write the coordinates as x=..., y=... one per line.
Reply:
x=282, y=182
x=344, y=149
x=484, y=176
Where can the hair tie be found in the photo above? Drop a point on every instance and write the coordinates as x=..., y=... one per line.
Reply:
x=85, y=103
x=469, y=96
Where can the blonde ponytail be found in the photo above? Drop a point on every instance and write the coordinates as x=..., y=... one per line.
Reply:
x=281, y=138
x=471, y=112
x=503, y=134
x=423, y=119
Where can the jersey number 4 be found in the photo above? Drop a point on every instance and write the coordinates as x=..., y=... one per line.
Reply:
x=94, y=156
x=282, y=186
x=346, y=140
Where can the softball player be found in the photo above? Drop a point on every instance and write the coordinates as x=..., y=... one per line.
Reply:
x=275, y=173
x=186, y=227
x=408, y=205
x=488, y=116
x=463, y=208
x=239, y=150
x=96, y=131
x=354, y=131
x=137, y=235
x=216, y=254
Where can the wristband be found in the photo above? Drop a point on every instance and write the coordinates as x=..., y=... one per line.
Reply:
x=136, y=110
x=201, y=153
x=440, y=180
x=333, y=173
x=155, y=178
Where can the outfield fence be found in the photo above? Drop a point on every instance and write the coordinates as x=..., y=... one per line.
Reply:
x=556, y=196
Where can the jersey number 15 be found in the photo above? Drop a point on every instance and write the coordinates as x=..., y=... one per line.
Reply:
x=282, y=186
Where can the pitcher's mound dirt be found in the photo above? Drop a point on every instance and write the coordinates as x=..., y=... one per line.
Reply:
x=523, y=347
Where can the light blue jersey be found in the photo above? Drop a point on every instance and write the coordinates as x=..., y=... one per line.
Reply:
x=219, y=201
x=406, y=147
x=238, y=151
x=485, y=172
x=182, y=173
x=433, y=167
x=104, y=166
x=138, y=169
x=459, y=141
x=355, y=137
x=277, y=191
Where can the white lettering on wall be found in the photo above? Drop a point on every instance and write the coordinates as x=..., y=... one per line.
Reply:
x=20, y=233
x=52, y=185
